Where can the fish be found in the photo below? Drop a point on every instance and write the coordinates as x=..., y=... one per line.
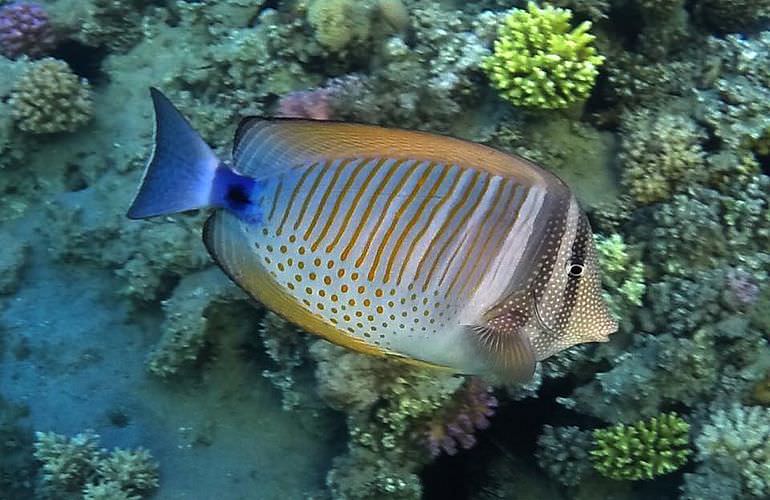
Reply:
x=405, y=244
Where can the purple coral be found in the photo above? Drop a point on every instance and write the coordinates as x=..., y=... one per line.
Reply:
x=741, y=290
x=25, y=30
x=469, y=412
x=313, y=104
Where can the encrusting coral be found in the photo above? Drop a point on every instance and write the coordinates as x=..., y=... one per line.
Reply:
x=49, y=98
x=78, y=464
x=642, y=450
x=540, y=61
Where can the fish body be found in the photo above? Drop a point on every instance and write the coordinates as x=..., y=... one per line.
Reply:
x=391, y=242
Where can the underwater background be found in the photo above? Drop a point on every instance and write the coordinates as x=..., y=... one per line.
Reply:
x=130, y=367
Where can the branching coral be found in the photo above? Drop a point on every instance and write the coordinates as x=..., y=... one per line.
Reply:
x=740, y=434
x=470, y=409
x=563, y=452
x=643, y=450
x=428, y=85
x=398, y=417
x=622, y=273
x=25, y=29
x=540, y=61
x=661, y=154
x=77, y=464
x=49, y=98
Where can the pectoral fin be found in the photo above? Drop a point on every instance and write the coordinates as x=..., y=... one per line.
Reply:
x=507, y=349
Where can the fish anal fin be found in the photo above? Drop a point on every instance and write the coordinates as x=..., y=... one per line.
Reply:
x=507, y=349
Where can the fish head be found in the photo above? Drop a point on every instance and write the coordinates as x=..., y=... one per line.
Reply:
x=568, y=304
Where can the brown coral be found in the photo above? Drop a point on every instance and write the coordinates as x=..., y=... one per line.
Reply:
x=50, y=98
x=659, y=152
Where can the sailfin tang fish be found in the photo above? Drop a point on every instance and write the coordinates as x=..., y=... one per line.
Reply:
x=390, y=242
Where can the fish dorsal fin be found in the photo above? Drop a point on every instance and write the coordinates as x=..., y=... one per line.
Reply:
x=507, y=348
x=266, y=147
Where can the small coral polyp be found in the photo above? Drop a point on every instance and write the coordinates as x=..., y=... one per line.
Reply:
x=539, y=61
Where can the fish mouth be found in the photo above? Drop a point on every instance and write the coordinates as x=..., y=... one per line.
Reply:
x=540, y=322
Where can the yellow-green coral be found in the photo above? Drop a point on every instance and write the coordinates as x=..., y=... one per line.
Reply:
x=622, y=273
x=643, y=450
x=337, y=23
x=540, y=61
x=49, y=98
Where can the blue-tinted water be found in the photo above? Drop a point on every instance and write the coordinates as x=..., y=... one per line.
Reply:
x=132, y=367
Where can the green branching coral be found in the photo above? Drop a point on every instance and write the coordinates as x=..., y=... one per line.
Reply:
x=643, y=450
x=622, y=273
x=540, y=61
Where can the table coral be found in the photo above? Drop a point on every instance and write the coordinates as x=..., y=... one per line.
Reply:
x=643, y=450
x=49, y=98
x=540, y=61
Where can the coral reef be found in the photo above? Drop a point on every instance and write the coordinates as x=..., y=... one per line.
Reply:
x=13, y=257
x=338, y=23
x=25, y=30
x=49, y=98
x=653, y=169
x=643, y=450
x=741, y=435
x=399, y=418
x=78, y=464
x=563, y=452
x=622, y=274
x=539, y=61
x=665, y=140
x=430, y=84
x=192, y=311
x=730, y=16
x=470, y=409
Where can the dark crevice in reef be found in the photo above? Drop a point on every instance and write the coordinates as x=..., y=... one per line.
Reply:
x=85, y=61
x=764, y=163
x=514, y=431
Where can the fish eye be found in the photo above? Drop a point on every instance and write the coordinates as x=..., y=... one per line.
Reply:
x=575, y=270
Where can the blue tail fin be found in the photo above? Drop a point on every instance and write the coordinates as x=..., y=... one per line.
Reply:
x=181, y=171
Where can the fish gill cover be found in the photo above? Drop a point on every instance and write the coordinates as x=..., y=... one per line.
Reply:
x=128, y=331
